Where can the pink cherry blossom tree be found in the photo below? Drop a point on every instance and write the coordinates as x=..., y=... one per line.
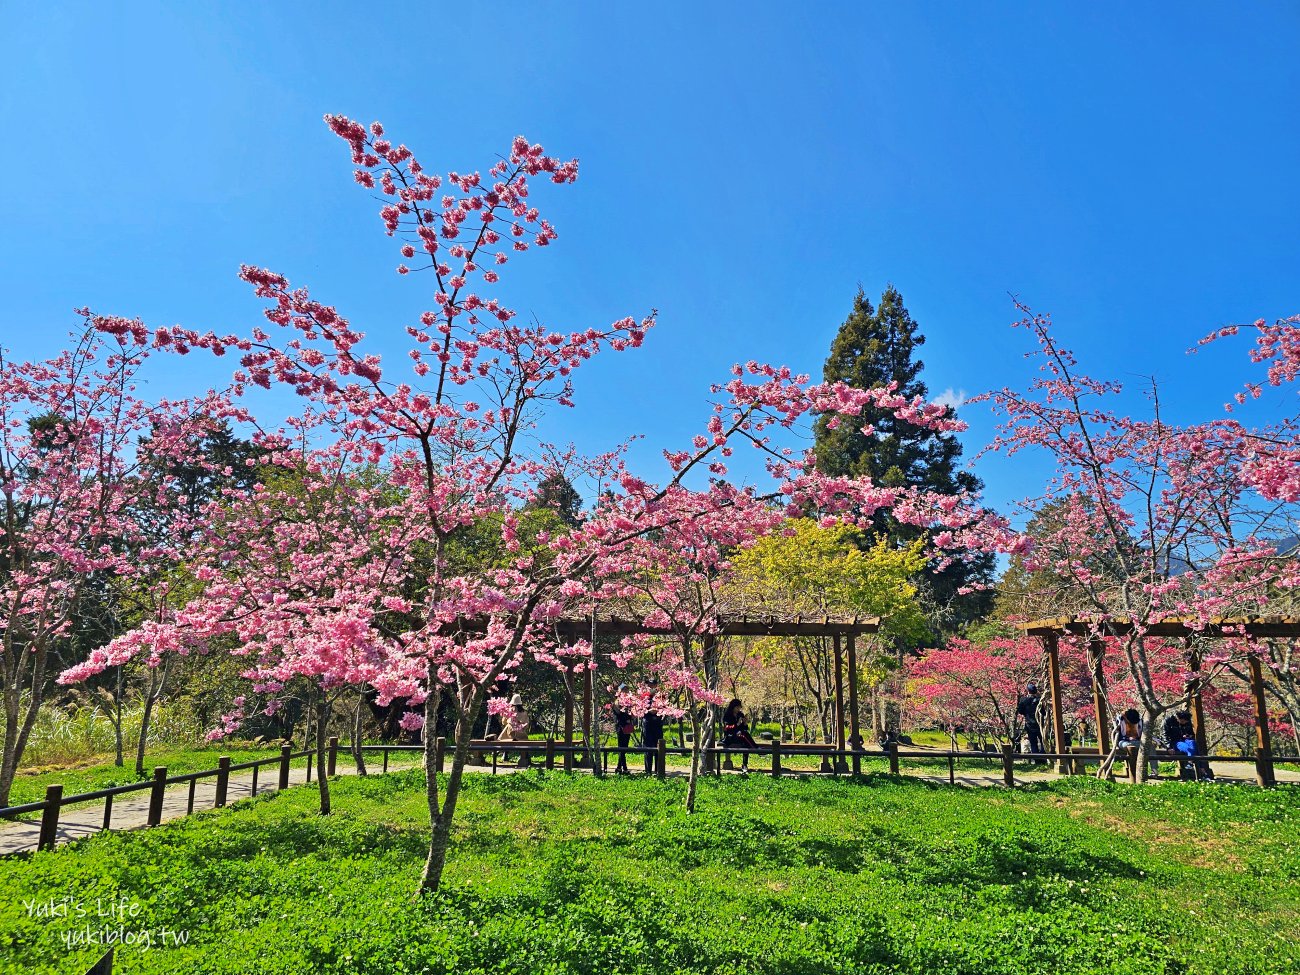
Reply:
x=1150, y=519
x=81, y=457
x=450, y=437
x=1271, y=466
x=676, y=561
x=299, y=577
x=976, y=685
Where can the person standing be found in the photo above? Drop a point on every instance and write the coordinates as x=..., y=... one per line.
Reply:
x=1027, y=708
x=652, y=732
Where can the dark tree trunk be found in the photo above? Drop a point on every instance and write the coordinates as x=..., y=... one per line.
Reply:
x=322, y=731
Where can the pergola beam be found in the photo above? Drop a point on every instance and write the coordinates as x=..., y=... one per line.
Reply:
x=1226, y=628
x=1254, y=627
x=727, y=626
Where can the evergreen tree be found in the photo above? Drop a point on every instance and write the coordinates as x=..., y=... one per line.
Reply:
x=875, y=347
x=557, y=494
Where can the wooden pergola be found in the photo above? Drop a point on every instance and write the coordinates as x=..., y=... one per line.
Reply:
x=842, y=630
x=1254, y=628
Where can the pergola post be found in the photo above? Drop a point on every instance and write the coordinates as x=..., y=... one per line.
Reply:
x=568, y=717
x=1264, y=748
x=1194, y=703
x=855, y=736
x=708, y=654
x=1225, y=628
x=1096, y=651
x=588, y=679
x=841, y=764
x=1054, y=679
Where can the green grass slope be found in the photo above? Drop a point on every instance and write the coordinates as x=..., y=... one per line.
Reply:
x=566, y=874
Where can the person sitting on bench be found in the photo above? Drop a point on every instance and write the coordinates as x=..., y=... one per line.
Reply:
x=735, y=731
x=515, y=727
x=1128, y=734
x=1180, y=737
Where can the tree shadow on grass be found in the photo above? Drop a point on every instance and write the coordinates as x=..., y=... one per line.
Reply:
x=979, y=859
x=320, y=837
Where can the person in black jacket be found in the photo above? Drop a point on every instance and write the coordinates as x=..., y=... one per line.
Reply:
x=735, y=731
x=652, y=732
x=1027, y=708
x=1180, y=736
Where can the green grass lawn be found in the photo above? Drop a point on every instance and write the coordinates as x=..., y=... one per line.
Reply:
x=558, y=874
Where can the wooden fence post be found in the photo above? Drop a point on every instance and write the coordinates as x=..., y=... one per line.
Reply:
x=439, y=754
x=1263, y=743
x=661, y=759
x=332, y=756
x=550, y=752
x=893, y=757
x=1096, y=651
x=776, y=756
x=855, y=734
x=50, y=817
x=223, y=780
x=1054, y=681
x=286, y=750
x=1196, y=704
x=1008, y=769
x=156, y=795
x=839, y=764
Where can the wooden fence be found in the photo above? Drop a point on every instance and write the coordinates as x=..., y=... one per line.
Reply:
x=54, y=801
x=550, y=754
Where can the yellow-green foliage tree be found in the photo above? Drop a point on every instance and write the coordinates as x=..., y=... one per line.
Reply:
x=814, y=571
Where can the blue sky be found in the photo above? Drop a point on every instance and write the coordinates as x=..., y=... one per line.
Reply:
x=744, y=168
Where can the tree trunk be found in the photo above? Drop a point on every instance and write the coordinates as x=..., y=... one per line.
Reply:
x=441, y=819
x=16, y=734
x=696, y=754
x=143, y=738
x=306, y=730
x=322, y=730
x=117, y=725
x=153, y=694
x=11, y=753
x=357, y=755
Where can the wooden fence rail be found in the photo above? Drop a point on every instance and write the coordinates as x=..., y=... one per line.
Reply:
x=55, y=801
x=833, y=760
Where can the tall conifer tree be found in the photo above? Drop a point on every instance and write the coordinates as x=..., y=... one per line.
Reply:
x=874, y=347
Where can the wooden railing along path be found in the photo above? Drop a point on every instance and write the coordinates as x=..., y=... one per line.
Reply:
x=551, y=754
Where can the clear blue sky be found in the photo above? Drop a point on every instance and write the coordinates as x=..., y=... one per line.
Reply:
x=744, y=168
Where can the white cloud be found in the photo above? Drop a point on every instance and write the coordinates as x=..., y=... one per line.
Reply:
x=950, y=398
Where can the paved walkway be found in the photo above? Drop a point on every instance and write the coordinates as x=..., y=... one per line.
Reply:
x=131, y=811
